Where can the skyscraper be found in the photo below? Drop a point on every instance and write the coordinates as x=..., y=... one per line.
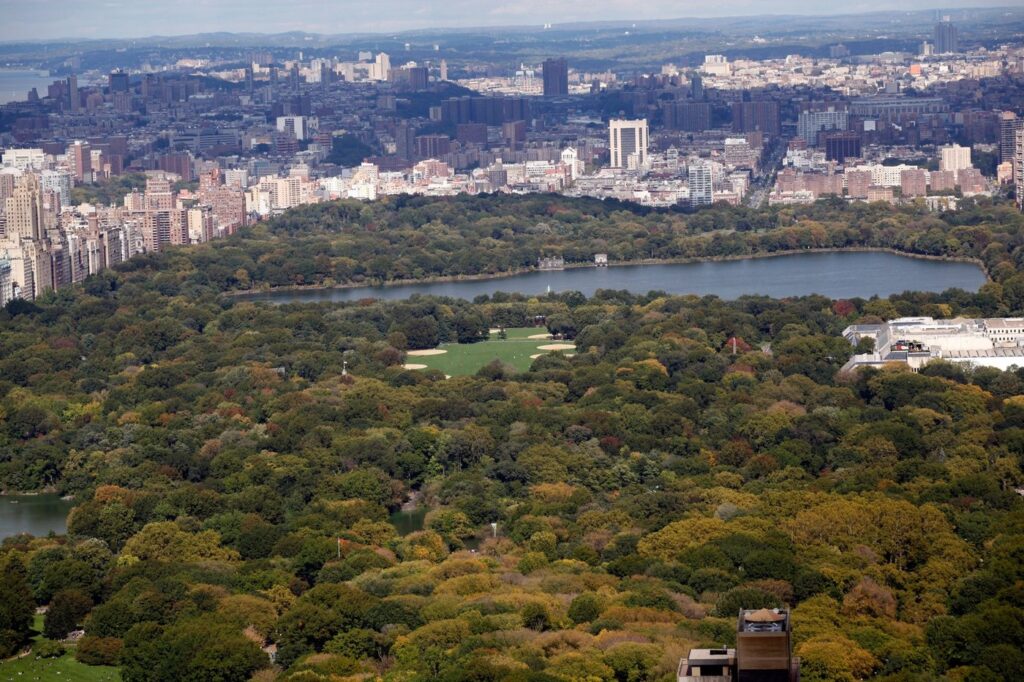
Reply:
x=1009, y=124
x=1018, y=167
x=418, y=77
x=947, y=38
x=810, y=123
x=689, y=116
x=628, y=143
x=556, y=77
x=59, y=182
x=760, y=115
x=79, y=157
x=118, y=81
x=696, y=86
x=381, y=66
x=840, y=145
x=954, y=158
x=25, y=209
x=701, y=191
x=73, y=101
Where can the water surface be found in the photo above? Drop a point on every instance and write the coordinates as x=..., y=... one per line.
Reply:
x=408, y=521
x=16, y=83
x=841, y=274
x=35, y=514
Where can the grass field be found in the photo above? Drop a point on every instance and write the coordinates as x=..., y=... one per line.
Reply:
x=466, y=358
x=63, y=669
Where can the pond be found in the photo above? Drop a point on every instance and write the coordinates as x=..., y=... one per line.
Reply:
x=838, y=274
x=408, y=521
x=35, y=514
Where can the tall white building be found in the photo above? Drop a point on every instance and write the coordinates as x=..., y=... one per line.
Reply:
x=381, y=66
x=571, y=161
x=628, y=143
x=59, y=181
x=236, y=177
x=810, y=123
x=955, y=158
x=303, y=127
x=716, y=65
x=24, y=159
x=701, y=185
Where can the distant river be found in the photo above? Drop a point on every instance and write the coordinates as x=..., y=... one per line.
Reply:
x=35, y=514
x=841, y=274
x=15, y=84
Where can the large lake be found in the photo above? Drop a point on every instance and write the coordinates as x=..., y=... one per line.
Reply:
x=35, y=514
x=836, y=275
x=15, y=84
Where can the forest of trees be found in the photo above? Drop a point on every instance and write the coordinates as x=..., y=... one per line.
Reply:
x=234, y=487
x=405, y=237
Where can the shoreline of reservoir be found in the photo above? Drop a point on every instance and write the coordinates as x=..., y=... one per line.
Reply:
x=259, y=294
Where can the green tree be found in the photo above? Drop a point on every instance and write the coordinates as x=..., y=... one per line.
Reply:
x=193, y=649
x=66, y=611
x=16, y=604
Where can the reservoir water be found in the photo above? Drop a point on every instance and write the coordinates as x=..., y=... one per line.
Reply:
x=16, y=83
x=836, y=275
x=408, y=521
x=35, y=514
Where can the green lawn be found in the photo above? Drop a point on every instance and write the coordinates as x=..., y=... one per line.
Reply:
x=467, y=358
x=63, y=669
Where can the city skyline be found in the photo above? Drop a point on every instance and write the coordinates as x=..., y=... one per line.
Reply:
x=120, y=19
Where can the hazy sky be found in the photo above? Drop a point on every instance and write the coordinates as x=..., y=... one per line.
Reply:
x=40, y=19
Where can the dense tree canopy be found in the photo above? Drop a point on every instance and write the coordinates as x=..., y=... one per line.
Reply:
x=234, y=486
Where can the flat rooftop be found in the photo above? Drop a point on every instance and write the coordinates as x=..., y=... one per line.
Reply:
x=987, y=353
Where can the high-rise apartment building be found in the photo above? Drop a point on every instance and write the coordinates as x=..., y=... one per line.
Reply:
x=513, y=133
x=739, y=154
x=628, y=143
x=688, y=116
x=759, y=115
x=1018, y=166
x=700, y=182
x=24, y=209
x=118, y=81
x=380, y=67
x=947, y=38
x=954, y=158
x=79, y=157
x=696, y=87
x=840, y=145
x=25, y=159
x=74, y=102
x=58, y=182
x=556, y=77
x=914, y=182
x=811, y=123
x=1009, y=124
x=716, y=65
x=302, y=127
x=418, y=77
